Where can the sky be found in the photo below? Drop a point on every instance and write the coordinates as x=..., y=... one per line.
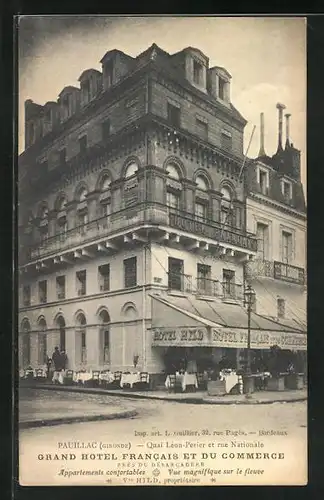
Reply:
x=266, y=57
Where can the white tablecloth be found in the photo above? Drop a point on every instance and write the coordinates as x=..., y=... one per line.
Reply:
x=82, y=376
x=129, y=378
x=231, y=379
x=183, y=379
x=58, y=377
x=107, y=377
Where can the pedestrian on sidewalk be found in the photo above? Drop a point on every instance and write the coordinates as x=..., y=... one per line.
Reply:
x=57, y=361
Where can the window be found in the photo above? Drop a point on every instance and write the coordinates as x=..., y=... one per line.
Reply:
x=82, y=222
x=281, y=308
x=262, y=237
x=130, y=272
x=197, y=72
x=66, y=103
x=106, y=129
x=175, y=274
x=60, y=287
x=229, y=287
x=26, y=295
x=106, y=346
x=286, y=247
x=286, y=188
x=109, y=73
x=42, y=291
x=263, y=181
x=172, y=200
x=200, y=211
x=221, y=88
x=86, y=91
x=173, y=115
x=83, y=144
x=131, y=170
x=81, y=278
x=204, y=279
x=226, y=215
x=201, y=183
x=202, y=129
x=61, y=326
x=62, y=156
x=226, y=140
x=42, y=342
x=104, y=277
x=83, y=346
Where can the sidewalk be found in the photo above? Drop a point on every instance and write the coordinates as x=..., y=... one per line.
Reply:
x=199, y=397
x=44, y=412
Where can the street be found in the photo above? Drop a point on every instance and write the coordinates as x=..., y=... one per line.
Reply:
x=278, y=428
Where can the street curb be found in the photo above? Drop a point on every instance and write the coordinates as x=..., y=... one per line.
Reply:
x=29, y=424
x=133, y=395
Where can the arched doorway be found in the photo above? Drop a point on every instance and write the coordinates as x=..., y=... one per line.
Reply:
x=104, y=336
x=42, y=341
x=61, y=326
x=25, y=343
x=81, y=331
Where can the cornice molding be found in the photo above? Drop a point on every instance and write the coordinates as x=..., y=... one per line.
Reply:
x=277, y=205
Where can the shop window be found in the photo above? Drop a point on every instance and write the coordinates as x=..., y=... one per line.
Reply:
x=60, y=287
x=281, y=308
x=26, y=295
x=175, y=274
x=104, y=277
x=81, y=279
x=173, y=115
x=130, y=272
x=42, y=291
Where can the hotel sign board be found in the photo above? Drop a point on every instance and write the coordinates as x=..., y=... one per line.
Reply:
x=237, y=339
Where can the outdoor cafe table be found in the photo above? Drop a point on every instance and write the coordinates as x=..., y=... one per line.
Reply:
x=231, y=379
x=82, y=377
x=183, y=379
x=106, y=377
x=130, y=378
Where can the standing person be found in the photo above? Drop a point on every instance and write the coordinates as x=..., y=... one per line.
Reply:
x=57, y=359
x=49, y=366
x=64, y=360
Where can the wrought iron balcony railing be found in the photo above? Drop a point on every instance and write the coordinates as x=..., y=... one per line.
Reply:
x=148, y=213
x=232, y=290
x=277, y=270
x=208, y=287
x=179, y=282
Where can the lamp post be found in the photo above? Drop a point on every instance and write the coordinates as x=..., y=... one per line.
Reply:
x=249, y=296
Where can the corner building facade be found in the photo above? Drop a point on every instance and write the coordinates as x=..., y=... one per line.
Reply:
x=132, y=214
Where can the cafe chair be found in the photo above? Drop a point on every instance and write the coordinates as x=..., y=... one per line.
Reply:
x=40, y=375
x=172, y=381
x=95, y=378
x=69, y=377
x=143, y=383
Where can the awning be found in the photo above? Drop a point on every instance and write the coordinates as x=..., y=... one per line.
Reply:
x=178, y=321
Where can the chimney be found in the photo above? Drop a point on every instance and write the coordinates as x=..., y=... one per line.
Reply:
x=262, y=151
x=280, y=107
x=287, y=116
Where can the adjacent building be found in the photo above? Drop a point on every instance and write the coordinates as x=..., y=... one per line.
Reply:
x=133, y=223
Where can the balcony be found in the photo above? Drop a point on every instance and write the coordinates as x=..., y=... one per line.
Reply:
x=208, y=287
x=179, y=282
x=232, y=291
x=276, y=270
x=155, y=217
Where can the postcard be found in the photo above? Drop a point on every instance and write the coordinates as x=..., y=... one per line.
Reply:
x=162, y=251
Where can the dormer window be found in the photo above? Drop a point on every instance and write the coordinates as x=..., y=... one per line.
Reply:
x=286, y=189
x=109, y=73
x=221, y=88
x=263, y=180
x=85, y=87
x=197, y=72
x=66, y=103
